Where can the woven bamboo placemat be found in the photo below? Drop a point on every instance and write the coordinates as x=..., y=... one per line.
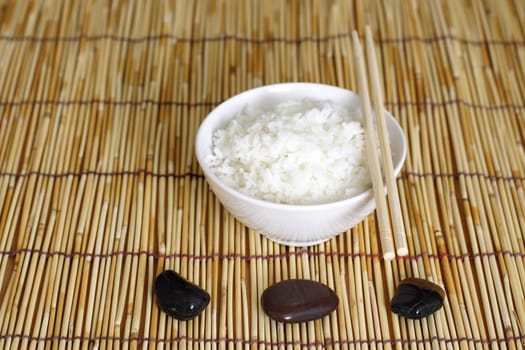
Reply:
x=100, y=190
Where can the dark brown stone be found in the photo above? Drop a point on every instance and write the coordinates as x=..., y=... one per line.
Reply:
x=416, y=298
x=178, y=297
x=298, y=300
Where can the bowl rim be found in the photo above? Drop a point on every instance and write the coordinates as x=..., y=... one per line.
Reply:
x=208, y=173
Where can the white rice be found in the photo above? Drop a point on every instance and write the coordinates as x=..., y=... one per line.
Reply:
x=299, y=152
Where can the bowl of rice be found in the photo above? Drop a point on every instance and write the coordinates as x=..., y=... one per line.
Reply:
x=288, y=160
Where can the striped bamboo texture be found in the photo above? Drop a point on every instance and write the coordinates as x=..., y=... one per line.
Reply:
x=100, y=190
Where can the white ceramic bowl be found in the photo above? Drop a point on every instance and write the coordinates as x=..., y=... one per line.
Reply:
x=296, y=225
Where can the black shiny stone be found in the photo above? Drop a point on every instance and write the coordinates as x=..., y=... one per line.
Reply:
x=178, y=297
x=416, y=298
x=298, y=300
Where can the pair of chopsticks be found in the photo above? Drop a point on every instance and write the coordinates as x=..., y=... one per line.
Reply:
x=375, y=165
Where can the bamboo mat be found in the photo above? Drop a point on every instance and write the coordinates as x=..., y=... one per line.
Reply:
x=100, y=190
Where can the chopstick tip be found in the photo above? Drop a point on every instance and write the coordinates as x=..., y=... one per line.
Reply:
x=403, y=251
x=389, y=255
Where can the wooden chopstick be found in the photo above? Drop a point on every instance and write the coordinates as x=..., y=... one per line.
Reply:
x=375, y=165
x=383, y=216
x=388, y=167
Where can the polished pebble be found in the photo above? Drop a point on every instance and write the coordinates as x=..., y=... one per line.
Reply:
x=417, y=298
x=178, y=297
x=298, y=300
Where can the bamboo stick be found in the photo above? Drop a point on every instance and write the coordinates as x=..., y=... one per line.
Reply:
x=357, y=301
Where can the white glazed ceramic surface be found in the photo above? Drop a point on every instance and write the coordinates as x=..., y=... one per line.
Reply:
x=297, y=225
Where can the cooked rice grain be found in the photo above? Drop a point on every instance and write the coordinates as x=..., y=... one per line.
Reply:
x=300, y=152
